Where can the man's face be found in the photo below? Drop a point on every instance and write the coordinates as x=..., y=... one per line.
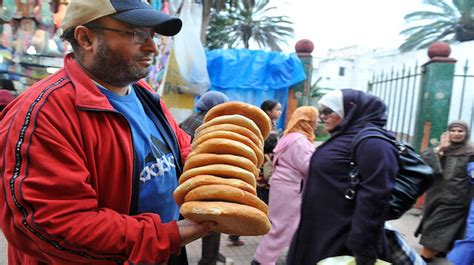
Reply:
x=119, y=60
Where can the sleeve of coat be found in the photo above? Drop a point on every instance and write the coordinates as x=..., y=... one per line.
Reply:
x=378, y=165
x=184, y=140
x=50, y=209
x=432, y=159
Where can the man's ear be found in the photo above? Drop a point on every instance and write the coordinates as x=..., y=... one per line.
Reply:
x=84, y=37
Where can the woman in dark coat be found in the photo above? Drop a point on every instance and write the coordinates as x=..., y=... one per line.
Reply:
x=332, y=225
x=447, y=200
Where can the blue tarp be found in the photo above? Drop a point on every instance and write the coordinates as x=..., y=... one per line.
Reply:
x=253, y=76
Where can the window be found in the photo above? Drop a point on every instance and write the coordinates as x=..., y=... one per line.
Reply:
x=342, y=71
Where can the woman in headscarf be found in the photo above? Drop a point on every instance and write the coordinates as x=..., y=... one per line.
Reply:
x=203, y=105
x=273, y=109
x=290, y=169
x=447, y=201
x=332, y=225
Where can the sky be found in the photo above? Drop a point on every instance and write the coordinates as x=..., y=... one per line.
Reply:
x=333, y=24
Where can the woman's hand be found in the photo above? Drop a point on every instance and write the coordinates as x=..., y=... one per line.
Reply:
x=190, y=231
x=444, y=143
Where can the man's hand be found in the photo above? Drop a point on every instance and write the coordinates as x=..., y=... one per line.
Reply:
x=190, y=231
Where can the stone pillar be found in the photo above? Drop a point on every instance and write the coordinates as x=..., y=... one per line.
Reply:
x=435, y=96
x=298, y=95
x=434, y=99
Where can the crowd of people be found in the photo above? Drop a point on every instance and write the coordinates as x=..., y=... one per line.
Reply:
x=88, y=151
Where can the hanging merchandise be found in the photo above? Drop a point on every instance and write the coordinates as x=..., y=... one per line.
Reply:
x=175, y=5
x=156, y=4
x=25, y=8
x=43, y=13
x=156, y=78
x=7, y=35
x=8, y=9
x=60, y=13
x=190, y=55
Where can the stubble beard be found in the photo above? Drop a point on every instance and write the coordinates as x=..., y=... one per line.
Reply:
x=112, y=68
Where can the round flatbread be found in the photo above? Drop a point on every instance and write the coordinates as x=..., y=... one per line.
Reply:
x=219, y=192
x=234, y=107
x=220, y=170
x=233, y=128
x=239, y=120
x=197, y=160
x=226, y=146
x=232, y=136
x=201, y=180
x=231, y=218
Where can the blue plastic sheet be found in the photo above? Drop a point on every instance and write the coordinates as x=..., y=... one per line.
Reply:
x=253, y=76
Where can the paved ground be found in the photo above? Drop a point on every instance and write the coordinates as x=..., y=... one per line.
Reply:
x=243, y=255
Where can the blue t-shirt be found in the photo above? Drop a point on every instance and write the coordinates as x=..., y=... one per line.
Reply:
x=157, y=165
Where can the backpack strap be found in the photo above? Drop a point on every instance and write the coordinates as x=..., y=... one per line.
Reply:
x=354, y=178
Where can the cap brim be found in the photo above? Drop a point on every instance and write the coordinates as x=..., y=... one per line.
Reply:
x=163, y=24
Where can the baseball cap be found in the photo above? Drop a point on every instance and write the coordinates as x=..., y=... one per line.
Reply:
x=134, y=12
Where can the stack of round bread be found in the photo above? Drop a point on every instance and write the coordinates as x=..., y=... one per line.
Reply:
x=219, y=179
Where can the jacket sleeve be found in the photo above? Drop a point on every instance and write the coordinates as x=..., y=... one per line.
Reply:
x=50, y=209
x=184, y=140
x=377, y=162
x=432, y=159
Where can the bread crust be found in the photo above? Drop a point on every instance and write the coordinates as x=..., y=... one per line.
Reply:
x=232, y=136
x=220, y=170
x=233, y=128
x=260, y=118
x=202, y=180
x=197, y=160
x=233, y=119
x=226, y=146
x=231, y=218
x=219, y=192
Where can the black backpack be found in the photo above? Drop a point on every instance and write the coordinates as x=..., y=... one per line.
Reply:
x=413, y=179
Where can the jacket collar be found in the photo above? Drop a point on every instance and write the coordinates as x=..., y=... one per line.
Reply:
x=87, y=94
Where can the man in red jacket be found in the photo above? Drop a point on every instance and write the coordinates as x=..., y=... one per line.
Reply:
x=91, y=155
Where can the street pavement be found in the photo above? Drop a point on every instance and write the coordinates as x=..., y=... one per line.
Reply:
x=243, y=255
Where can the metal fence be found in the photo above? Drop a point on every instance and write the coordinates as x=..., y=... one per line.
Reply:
x=400, y=90
x=462, y=104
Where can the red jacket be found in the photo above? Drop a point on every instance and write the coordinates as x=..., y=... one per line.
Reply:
x=67, y=167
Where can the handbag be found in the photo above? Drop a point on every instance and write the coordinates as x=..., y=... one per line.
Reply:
x=414, y=176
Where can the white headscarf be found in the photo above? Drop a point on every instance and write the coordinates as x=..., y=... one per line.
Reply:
x=334, y=101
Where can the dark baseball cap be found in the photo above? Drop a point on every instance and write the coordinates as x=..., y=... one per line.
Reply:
x=134, y=12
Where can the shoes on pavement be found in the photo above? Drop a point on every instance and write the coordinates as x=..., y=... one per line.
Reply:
x=427, y=260
x=236, y=242
x=254, y=262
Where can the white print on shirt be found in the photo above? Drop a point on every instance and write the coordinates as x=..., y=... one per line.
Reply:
x=157, y=169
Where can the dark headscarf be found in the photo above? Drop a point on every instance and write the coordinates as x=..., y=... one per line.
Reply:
x=210, y=99
x=462, y=148
x=361, y=109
